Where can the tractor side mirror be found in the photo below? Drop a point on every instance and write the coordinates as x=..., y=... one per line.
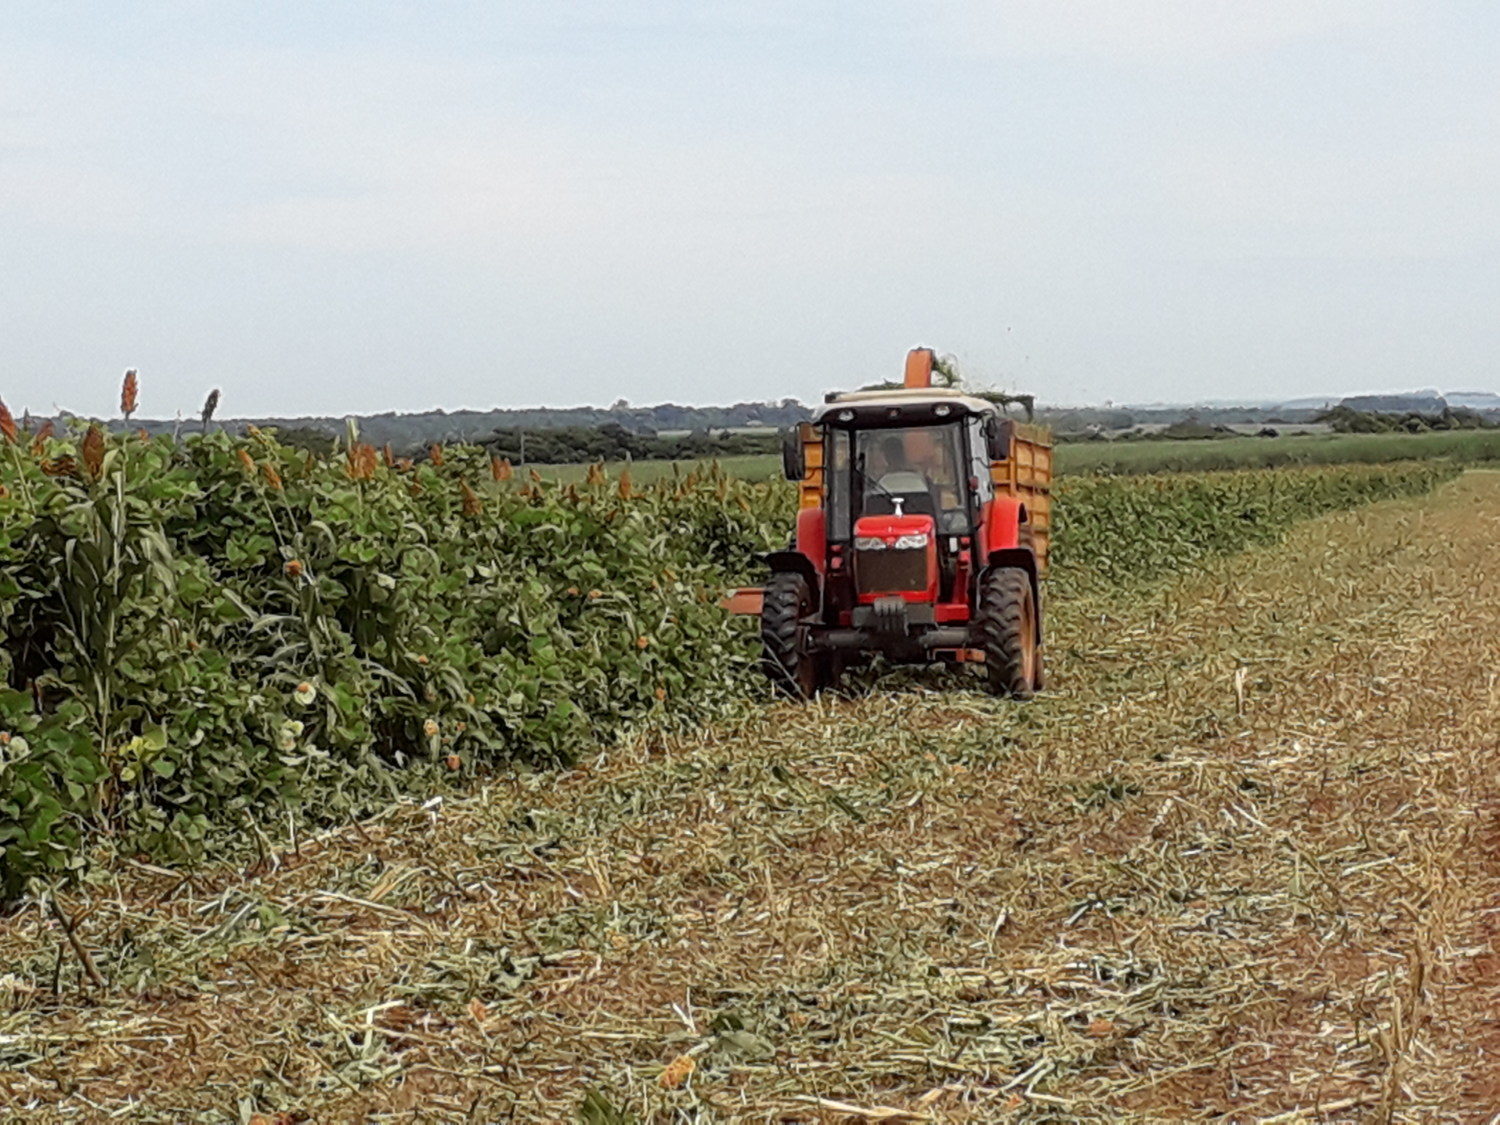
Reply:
x=793, y=466
x=998, y=433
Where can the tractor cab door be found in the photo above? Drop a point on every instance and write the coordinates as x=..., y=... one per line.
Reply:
x=977, y=451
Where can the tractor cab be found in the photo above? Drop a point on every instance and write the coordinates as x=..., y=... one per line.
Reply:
x=916, y=505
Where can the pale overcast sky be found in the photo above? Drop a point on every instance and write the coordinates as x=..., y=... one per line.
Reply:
x=362, y=206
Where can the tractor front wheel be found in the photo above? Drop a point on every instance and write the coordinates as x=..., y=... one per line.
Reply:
x=783, y=634
x=1006, y=629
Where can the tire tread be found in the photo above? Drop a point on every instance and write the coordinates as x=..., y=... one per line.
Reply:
x=782, y=657
x=1002, y=618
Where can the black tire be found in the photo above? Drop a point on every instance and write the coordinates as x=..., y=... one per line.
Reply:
x=783, y=636
x=1005, y=628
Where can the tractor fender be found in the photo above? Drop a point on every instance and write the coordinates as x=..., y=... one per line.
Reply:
x=1002, y=525
x=805, y=556
x=812, y=536
x=797, y=563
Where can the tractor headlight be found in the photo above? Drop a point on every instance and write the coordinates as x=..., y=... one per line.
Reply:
x=869, y=543
x=911, y=542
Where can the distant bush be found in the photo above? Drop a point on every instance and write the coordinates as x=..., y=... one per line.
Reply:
x=306, y=438
x=1346, y=420
x=1191, y=429
x=580, y=444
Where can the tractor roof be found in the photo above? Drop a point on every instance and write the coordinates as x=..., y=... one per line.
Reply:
x=900, y=404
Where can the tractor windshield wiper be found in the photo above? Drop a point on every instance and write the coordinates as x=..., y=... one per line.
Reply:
x=866, y=485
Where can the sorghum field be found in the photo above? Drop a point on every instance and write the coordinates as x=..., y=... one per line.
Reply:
x=348, y=789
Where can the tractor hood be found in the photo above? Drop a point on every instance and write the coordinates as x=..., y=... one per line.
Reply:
x=895, y=556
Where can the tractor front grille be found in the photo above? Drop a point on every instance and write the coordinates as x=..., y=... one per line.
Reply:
x=890, y=571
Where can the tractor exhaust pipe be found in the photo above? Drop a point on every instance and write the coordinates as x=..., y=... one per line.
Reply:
x=919, y=367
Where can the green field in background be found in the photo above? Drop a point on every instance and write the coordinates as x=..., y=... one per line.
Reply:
x=1255, y=452
x=1159, y=456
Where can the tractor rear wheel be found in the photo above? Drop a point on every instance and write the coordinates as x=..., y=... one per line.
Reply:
x=1005, y=627
x=783, y=635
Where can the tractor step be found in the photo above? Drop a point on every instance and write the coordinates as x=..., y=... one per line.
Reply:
x=872, y=640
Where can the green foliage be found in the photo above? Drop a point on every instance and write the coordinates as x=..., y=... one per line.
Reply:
x=1118, y=530
x=207, y=634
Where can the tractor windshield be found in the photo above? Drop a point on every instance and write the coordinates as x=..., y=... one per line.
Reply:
x=917, y=470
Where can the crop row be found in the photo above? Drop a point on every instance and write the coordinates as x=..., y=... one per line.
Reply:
x=202, y=637
x=1113, y=531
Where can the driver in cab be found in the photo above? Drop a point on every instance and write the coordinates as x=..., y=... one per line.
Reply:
x=897, y=476
x=898, y=483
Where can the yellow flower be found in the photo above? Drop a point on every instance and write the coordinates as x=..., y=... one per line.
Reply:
x=430, y=728
x=305, y=693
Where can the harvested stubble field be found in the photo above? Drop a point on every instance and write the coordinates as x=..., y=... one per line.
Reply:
x=1241, y=864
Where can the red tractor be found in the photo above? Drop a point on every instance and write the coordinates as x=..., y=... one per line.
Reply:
x=922, y=535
